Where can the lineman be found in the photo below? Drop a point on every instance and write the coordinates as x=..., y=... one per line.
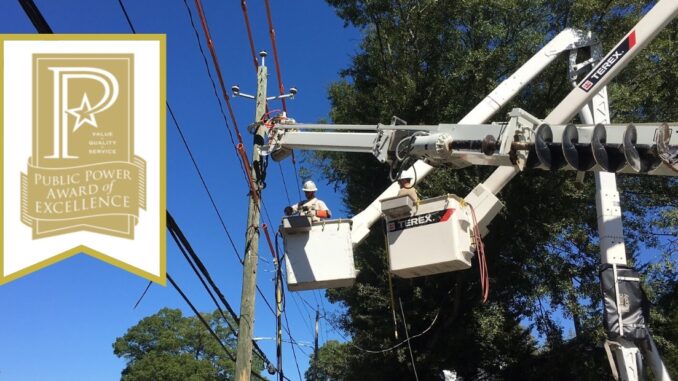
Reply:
x=311, y=207
x=407, y=188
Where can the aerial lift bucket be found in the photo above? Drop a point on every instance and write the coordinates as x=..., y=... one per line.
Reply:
x=317, y=254
x=429, y=237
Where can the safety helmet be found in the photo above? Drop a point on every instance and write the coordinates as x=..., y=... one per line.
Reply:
x=309, y=186
x=404, y=176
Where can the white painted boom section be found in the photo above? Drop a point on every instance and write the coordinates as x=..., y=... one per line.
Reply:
x=565, y=40
x=641, y=35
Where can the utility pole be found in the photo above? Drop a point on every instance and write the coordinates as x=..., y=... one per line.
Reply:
x=243, y=363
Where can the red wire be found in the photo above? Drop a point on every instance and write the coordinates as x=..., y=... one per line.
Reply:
x=248, y=171
x=270, y=243
x=482, y=259
x=243, y=4
x=213, y=52
x=271, y=32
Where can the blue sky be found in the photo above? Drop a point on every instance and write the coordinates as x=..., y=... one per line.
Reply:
x=60, y=322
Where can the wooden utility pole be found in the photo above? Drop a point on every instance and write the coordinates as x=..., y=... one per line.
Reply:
x=243, y=363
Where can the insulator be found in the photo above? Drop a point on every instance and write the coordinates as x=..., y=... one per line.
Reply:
x=641, y=157
x=577, y=155
x=550, y=154
x=667, y=153
x=609, y=157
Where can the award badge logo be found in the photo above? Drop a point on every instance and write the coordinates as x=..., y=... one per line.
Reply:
x=83, y=137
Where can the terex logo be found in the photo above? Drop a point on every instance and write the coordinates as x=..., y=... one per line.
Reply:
x=609, y=62
x=424, y=219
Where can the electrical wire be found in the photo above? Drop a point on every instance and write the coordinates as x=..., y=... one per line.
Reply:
x=214, y=85
x=186, y=249
x=243, y=6
x=217, y=68
x=407, y=336
x=379, y=351
x=271, y=32
x=292, y=343
x=482, y=259
x=183, y=137
x=204, y=184
x=197, y=314
x=36, y=17
x=282, y=176
x=206, y=324
x=143, y=294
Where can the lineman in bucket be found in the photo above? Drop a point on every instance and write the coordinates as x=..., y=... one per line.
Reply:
x=407, y=188
x=311, y=207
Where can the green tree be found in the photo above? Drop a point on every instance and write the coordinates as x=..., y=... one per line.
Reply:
x=169, y=346
x=332, y=363
x=430, y=62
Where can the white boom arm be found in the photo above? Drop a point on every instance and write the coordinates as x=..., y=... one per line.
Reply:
x=569, y=39
x=468, y=143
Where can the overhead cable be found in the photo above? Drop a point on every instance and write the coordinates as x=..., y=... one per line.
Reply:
x=217, y=68
x=206, y=324
x=271, y=32
x=243, y=6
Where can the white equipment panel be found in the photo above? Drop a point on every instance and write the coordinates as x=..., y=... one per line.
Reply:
x=434, y=237
x=318, y=256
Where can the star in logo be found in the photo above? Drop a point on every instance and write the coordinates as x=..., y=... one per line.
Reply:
x=83, y=114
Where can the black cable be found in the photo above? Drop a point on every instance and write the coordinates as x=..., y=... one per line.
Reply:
x=214, y=85
x=36, y=17
x=190, y=153
x=282, y=175
x=204, y=184
x=182, y=242
x=292, y=343
x=129, y=21
x=205, y=323
x=143, y=294
x=183, y=250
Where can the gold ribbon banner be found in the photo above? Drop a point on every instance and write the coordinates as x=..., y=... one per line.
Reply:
x=67, y=195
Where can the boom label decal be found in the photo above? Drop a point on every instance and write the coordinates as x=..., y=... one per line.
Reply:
x=609, y=62
x=424, y=219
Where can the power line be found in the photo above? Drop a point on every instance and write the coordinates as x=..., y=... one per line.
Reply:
x=195, y=164
x=271, y=32
x=292, y=343
x=211, y=78
x=129, y=21
x=186, y=249
x=204, y=184
x=243, y=6
x=35, y=16
x=217, y=68
x=188, y=148
x=197, y=314
x=143, y=294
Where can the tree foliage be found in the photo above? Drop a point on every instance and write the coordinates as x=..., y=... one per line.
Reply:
x=169, y=346
x=431, y=62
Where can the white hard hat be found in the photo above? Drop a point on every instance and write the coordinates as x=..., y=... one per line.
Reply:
x=404, y=176
x=309, y=186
